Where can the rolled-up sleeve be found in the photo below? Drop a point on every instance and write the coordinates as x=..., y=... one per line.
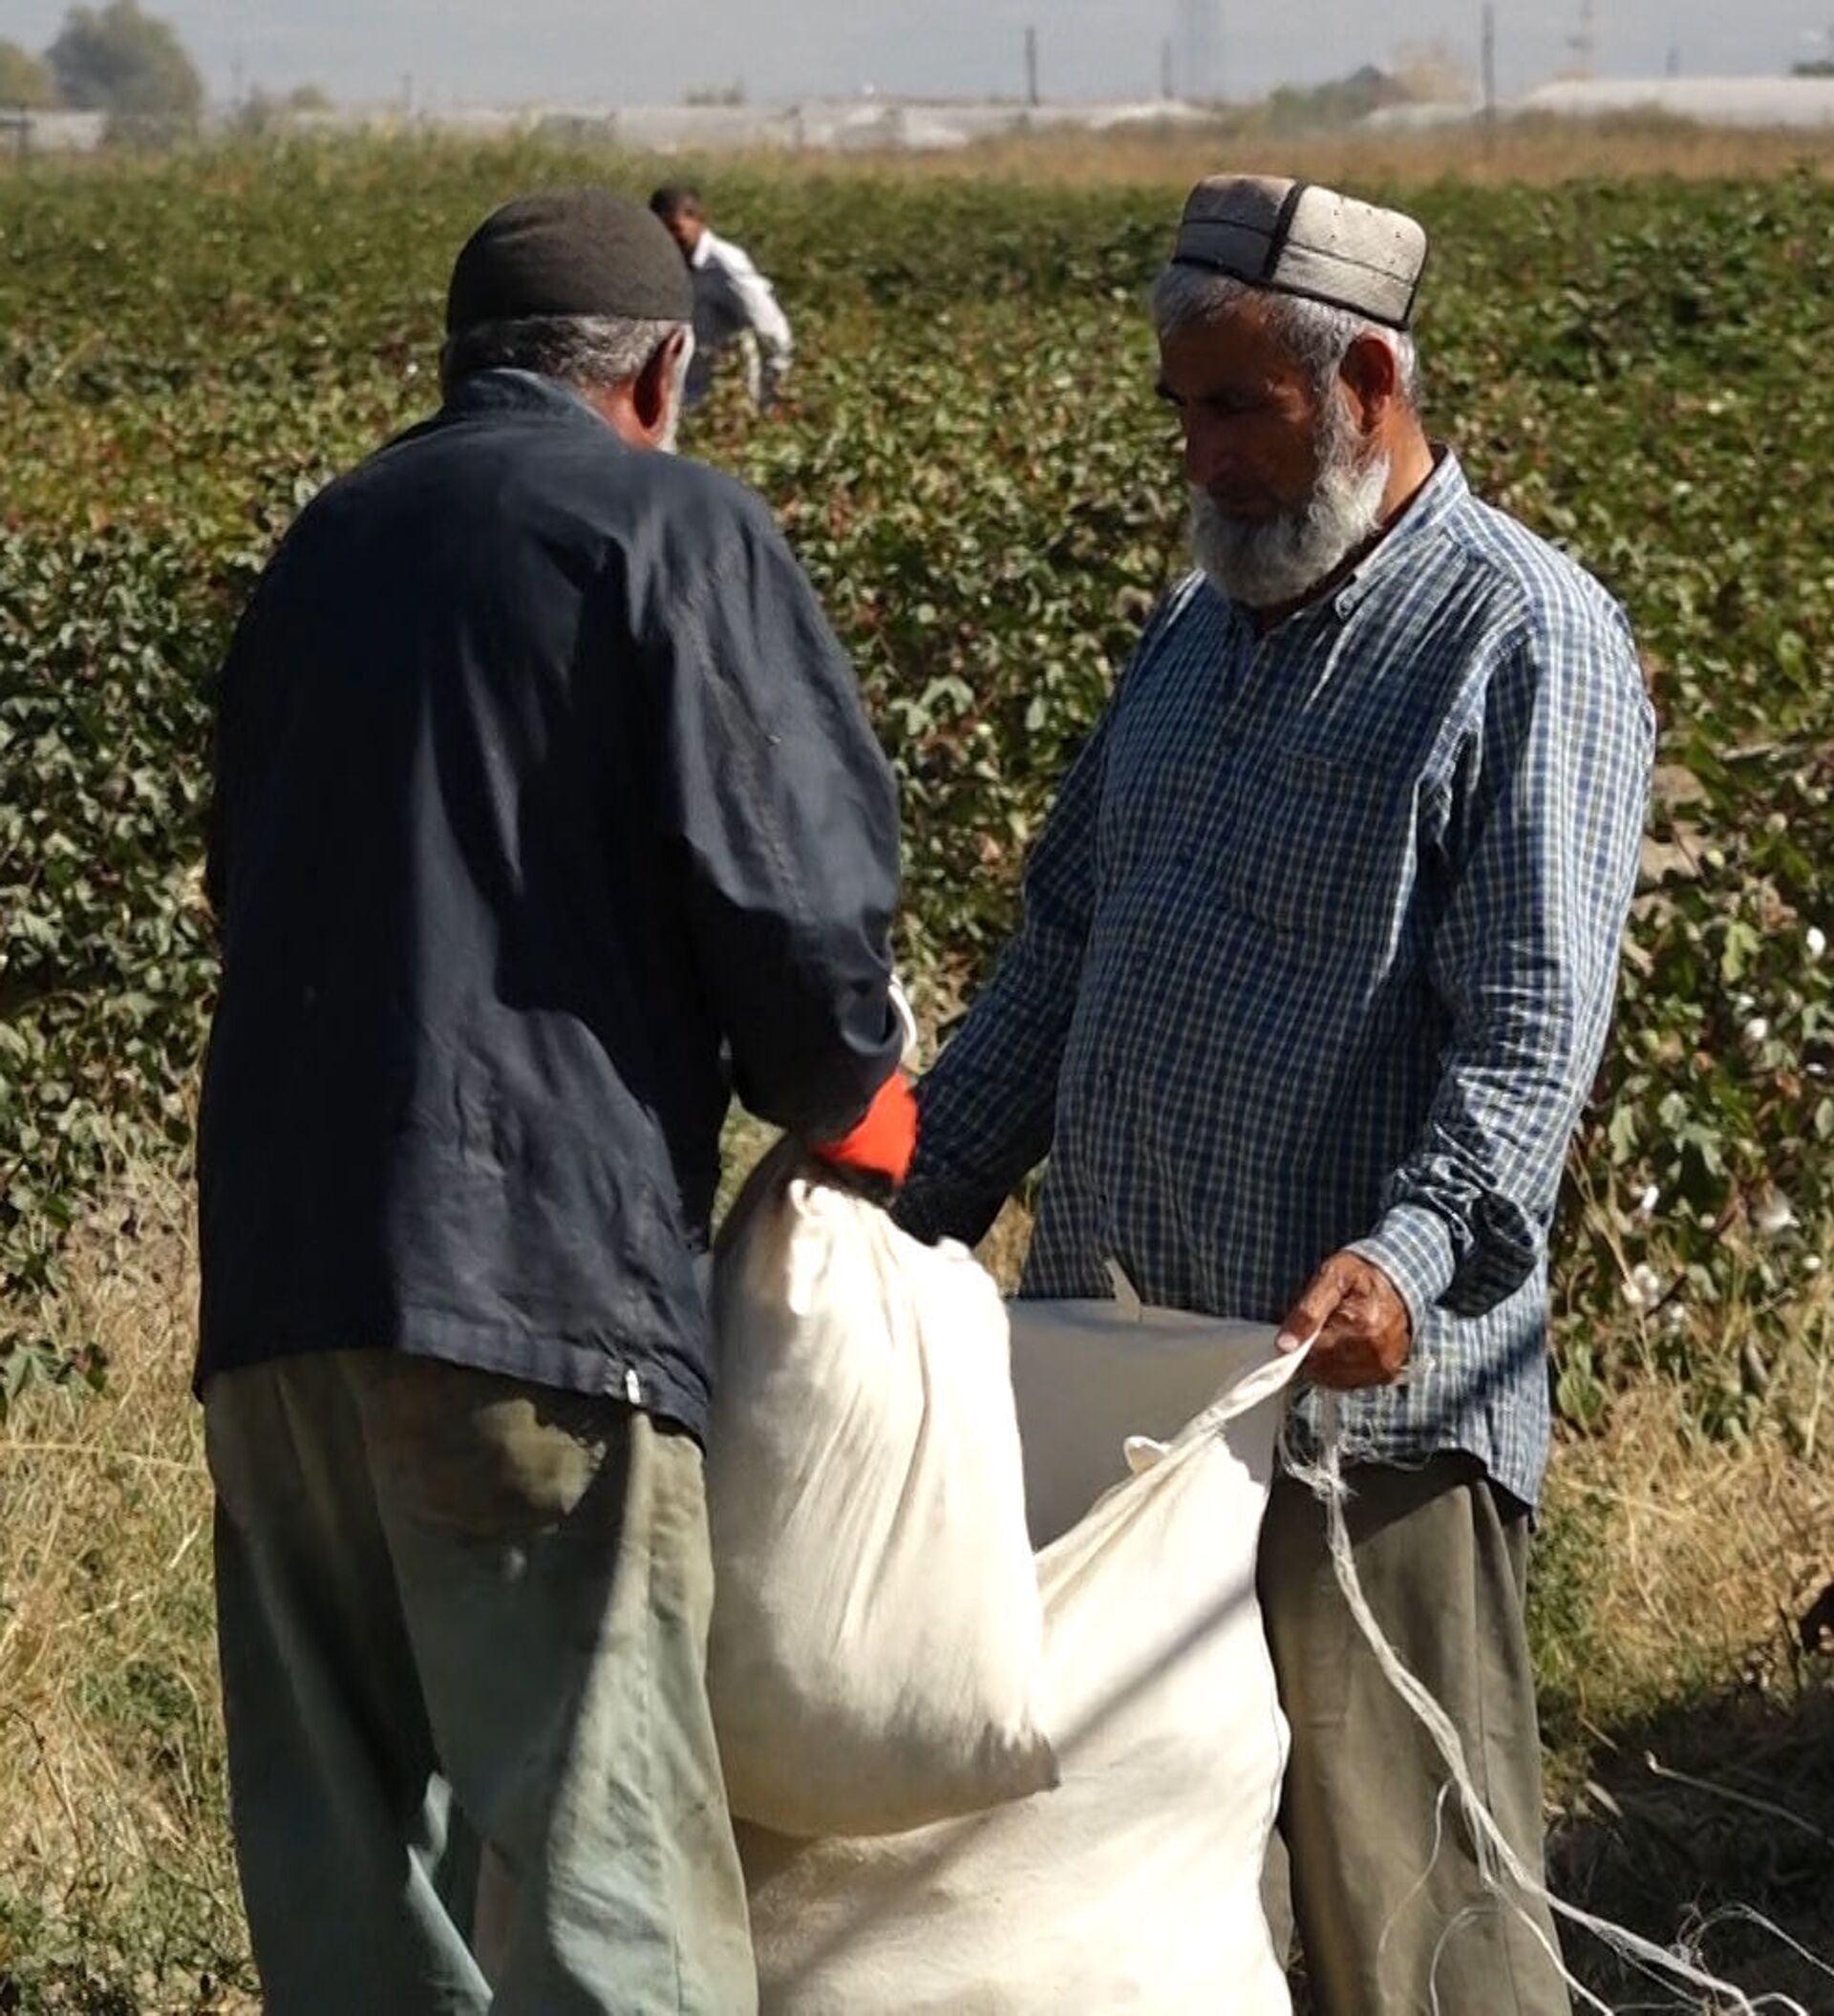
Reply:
x=1544, y=842
x=784, y=814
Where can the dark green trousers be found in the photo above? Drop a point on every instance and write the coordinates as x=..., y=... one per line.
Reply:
x=1384, y=1887
x=462, y=1618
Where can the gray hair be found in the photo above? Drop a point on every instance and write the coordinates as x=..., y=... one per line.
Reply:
x=1314, y=333
x=591, y=352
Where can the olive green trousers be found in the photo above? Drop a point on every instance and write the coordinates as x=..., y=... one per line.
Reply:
x=463, y=1623
x=1384, y=1887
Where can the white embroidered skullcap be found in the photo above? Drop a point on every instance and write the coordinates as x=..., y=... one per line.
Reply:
x=1296, y=238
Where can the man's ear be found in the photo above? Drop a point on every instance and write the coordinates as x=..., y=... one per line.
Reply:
x=655, y=386
x=1371, y=380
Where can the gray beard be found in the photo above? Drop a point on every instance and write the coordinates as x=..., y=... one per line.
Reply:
x=1264, y=562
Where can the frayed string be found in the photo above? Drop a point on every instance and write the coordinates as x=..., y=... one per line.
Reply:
x=1419, y=1890
x=1745, y=1914
x=1496, y=1859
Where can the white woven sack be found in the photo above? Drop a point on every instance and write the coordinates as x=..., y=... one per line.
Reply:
x=877, y=1634
x=1137, y=1884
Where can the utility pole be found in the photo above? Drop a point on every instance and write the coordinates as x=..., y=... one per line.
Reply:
x=1489, y=61
x=1166, y=69
x=1585, y=43
x=1031, y=66
x=1199, y=29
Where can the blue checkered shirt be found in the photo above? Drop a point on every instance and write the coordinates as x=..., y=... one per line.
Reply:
x=1319, y=949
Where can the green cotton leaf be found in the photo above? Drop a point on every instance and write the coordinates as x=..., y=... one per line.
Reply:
x=1624, y=1134
x=1580, y=1398
x=974, y=471
x=1707, y=1145
x=1741, y=945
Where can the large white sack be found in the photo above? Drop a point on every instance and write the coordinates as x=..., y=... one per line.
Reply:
x=1137, y=1884
x=1089, y=1375
x=877, y=1633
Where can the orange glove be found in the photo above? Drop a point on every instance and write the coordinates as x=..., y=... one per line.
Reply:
x=884, y=1141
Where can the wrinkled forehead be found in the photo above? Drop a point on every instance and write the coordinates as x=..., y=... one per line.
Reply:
x=1238, y=347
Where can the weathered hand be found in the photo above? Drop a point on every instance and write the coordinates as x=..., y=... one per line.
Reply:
x=1360, y=1324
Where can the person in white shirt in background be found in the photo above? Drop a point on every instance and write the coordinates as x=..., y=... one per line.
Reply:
x=735, y=306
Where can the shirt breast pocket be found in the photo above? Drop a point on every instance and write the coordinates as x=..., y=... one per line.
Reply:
x=1322, y=859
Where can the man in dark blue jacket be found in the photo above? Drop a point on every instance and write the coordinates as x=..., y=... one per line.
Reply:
x=547, y=816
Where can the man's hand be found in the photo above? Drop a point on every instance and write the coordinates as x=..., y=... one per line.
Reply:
x=1360, y=1329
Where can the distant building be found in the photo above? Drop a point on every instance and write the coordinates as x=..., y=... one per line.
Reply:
x=865, y=124
x=1782, y=104
x=1790, y=102
x=25, y=133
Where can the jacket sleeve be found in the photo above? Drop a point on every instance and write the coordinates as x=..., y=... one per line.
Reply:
x=783, y=816
x=1546, y=834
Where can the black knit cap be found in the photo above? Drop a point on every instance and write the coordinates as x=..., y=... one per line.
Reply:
x=569, y=253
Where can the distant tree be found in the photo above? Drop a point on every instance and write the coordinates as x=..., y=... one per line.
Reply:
x=1321, y=107
x=1431, y=74
x=24, y=81
x=1814, y=67
x=118, y=60
x=309, y=98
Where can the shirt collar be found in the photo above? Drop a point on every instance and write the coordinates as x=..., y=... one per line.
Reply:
x=703, y=256
x=1426, y=512
x=517, y=391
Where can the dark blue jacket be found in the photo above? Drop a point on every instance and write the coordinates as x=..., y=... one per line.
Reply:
x=547, y=816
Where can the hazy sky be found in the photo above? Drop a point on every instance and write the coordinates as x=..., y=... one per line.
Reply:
x=611, y=52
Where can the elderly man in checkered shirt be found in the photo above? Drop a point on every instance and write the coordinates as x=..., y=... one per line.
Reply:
x=1316, y=967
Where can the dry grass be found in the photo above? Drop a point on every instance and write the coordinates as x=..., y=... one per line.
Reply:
x=1734, y=1541
x=1533, y=151
x=1692, y=1731
x=1536, y=151
x=1672, y=1576
x=117, y=1891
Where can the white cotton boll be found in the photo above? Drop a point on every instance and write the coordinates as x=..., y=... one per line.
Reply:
x=1645, y=1204
x=1644, y=1289
x=1773, y=1214
x=1757, y=1031
x=1815, y=941
x=1675, y=1316
x=1743, y=1003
